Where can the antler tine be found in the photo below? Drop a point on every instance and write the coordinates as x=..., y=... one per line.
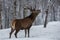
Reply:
x=25, y=7
x=28, y=7
x=34, y=7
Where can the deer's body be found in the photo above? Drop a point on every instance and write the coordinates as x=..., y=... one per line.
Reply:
x=24, y=24
x=21, y=23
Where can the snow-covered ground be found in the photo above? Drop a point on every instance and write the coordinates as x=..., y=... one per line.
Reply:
x=51, y=32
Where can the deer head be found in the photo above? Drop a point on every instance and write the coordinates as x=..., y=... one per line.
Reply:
x=34, y=11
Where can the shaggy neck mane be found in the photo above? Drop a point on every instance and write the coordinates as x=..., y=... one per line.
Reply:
x=32, y=16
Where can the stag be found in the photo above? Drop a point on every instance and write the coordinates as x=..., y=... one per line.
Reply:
x=24, y=24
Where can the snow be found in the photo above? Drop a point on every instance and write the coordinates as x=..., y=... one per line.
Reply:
x=51, y=32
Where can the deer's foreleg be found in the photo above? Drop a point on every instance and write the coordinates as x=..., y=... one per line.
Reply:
x=25, y=32
x=28, y=32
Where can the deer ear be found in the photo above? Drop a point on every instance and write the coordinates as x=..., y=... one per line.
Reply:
x=40, y=10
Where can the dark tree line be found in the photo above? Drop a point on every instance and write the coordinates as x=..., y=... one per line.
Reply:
x=11, y=9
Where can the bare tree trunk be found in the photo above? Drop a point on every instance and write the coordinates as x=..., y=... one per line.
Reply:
x=15, y=9
x=54, y=14
x=19, y=9
x=5, y=14
x=0, y=14
x=46, y=18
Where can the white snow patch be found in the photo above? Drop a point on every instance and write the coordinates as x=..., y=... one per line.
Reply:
x=51, y=32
